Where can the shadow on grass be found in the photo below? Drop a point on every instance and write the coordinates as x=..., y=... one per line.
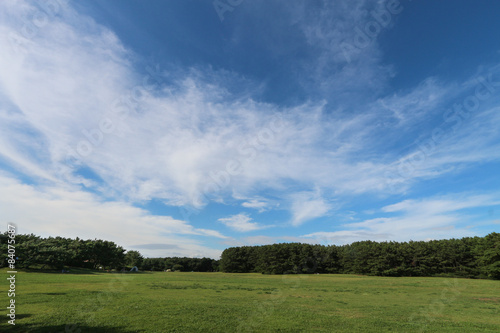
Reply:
x=72, y=328
x=21, y=316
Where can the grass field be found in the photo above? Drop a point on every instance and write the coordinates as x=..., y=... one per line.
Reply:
x=84, y=301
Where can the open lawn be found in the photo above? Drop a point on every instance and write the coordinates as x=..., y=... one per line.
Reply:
x=85, y=301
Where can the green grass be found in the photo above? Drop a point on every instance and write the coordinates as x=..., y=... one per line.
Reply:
x=218, y=302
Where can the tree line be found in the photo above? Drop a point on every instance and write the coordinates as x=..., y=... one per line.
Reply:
x=183, y=264
x=472, y=257
x=35, y=252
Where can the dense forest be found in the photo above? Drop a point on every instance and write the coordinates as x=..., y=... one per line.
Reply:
x=473, y=257
x=35, y=252
x=180, y=264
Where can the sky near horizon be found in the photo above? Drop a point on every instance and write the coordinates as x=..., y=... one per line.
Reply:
x=181, y=128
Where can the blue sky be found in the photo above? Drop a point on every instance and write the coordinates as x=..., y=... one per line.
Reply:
x=180, y=128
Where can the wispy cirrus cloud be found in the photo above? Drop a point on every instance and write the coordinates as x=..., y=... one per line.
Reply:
x=307, y=206
x=241, y=223
x=260, y=204
x=348, y=59
x=449, y=216
x=174, y=142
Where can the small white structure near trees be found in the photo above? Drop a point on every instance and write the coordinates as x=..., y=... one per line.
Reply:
x=134, y=269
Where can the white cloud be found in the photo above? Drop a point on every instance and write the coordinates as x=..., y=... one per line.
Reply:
x=416, y=104
x=241, y=223
x=307, y=206
x=58, y=211
x=443, y=204
x=259, y=204
x=450, y=147
x=426, y=219
x=347, y=66
x=185, y=144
